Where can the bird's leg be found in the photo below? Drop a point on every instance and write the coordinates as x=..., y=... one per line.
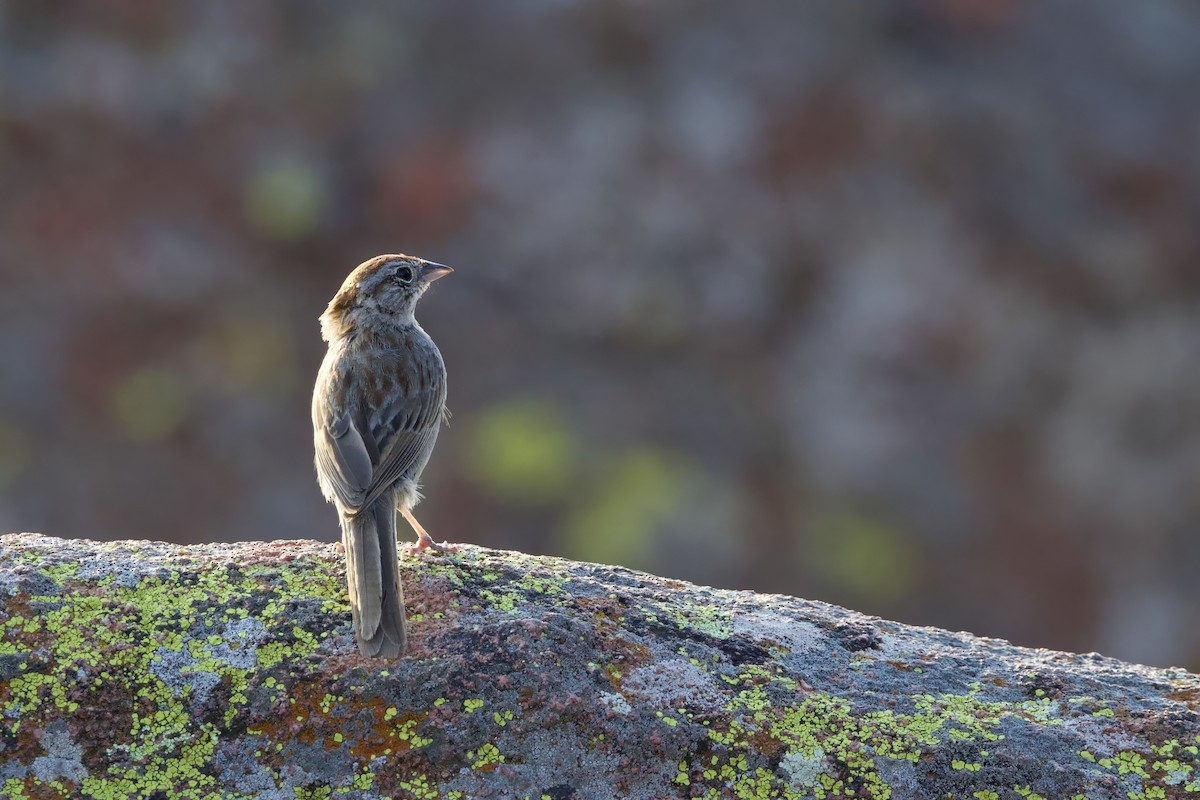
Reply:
x=424, y=540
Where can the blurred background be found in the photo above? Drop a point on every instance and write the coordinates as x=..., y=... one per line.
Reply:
x=894, y=305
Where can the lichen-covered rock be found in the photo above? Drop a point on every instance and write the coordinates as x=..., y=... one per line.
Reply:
x=147, y=670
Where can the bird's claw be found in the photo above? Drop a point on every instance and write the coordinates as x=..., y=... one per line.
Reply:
x=426, y=542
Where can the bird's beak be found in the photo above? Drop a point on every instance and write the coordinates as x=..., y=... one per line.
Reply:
x=430, y=271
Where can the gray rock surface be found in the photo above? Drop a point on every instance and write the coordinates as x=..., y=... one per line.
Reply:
x=142, y=669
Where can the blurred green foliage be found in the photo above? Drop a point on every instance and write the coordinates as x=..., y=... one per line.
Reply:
x=257, y=351
x=864, y=554
x=14, y=452
x=522, y=451
x=284, y=199
x=629, y=498
x=148, y=403
x=612, y=504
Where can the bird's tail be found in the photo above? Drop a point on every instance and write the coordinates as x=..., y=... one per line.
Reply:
x=373, y=576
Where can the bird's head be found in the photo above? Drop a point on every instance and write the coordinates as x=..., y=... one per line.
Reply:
x=381, y=290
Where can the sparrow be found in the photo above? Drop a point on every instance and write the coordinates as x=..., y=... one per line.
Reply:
x=379, y=400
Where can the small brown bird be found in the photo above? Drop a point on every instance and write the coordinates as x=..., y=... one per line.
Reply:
x=377, y=406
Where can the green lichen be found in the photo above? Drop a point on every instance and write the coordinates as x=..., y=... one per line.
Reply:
x=420, y=787
x=406, y=732
x=542, y=585
x=711, y=619
x=13, y=789
x=511, y=591
x=486, y=757
x=112, y=647
x=831, y=750
x=153, y=648
x=508, y=602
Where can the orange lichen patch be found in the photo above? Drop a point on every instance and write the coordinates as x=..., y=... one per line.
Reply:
x=392, y=732
x=313, y=712
x=614, y=675
x=306, y=715
x=602, y=608
x=625, y=655
x=633, y=653
x=1188, y=695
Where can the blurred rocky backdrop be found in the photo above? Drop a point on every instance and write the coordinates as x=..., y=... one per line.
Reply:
x=893, y=305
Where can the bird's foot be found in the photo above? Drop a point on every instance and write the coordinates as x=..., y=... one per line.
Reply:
x=425, y=542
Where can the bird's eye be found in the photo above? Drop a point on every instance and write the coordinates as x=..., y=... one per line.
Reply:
x=404, y=274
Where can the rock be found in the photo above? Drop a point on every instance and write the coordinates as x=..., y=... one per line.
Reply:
x=143, y=669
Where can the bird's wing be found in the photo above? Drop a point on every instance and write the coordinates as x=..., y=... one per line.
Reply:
x=343, y=462
x=407, y=424
x=364, y=450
